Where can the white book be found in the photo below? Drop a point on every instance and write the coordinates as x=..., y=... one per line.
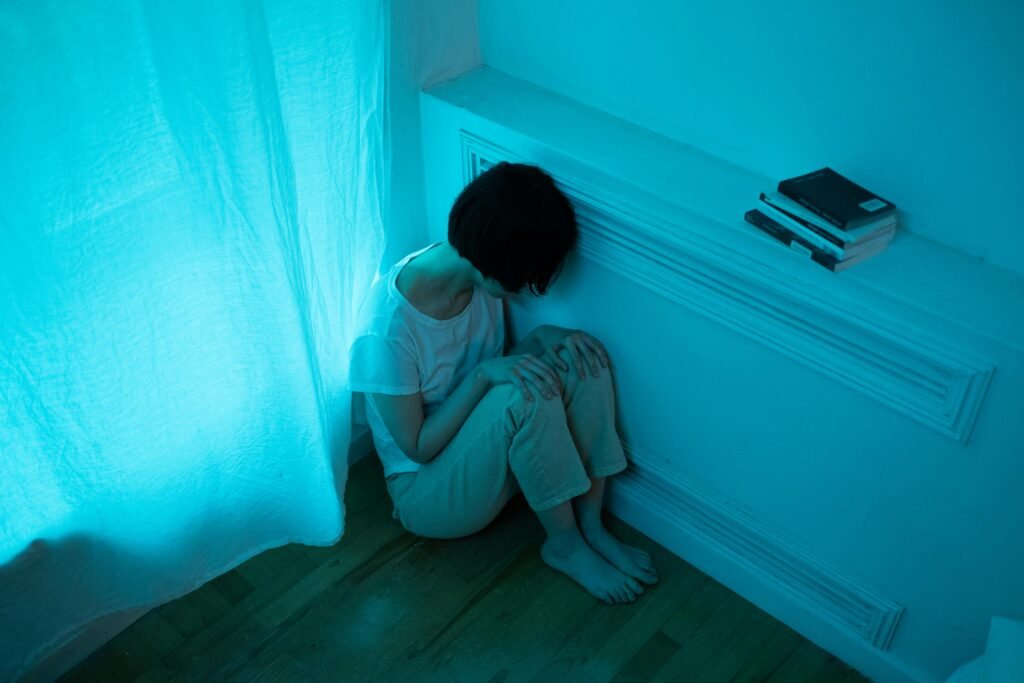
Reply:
x=863, y=256
x=841, y=253
x=781, y=202
x=801, y=230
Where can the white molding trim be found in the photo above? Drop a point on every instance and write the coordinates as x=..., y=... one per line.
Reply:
x=652, y=241
x=781, y=565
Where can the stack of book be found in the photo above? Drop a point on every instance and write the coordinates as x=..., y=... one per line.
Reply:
x=824, y=215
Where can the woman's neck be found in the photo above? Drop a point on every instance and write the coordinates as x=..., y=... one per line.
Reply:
x=439, y=277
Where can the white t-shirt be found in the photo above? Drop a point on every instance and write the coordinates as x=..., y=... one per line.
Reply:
x=400, y=350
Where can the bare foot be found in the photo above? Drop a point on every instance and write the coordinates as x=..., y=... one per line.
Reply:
x=628, y=559
x=587, y=568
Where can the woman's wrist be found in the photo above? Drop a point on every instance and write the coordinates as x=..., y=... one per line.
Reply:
x=480, y=380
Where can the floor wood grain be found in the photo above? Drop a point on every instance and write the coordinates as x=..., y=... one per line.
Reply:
x=384, y=605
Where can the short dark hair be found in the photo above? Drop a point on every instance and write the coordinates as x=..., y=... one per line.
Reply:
x=514, y=225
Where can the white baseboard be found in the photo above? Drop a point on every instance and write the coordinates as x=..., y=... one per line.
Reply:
x=838, y=612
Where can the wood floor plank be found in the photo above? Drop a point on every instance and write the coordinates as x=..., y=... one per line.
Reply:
x=406, y=607
x=132, y=652
x=384, y=605
x=158, y=673
x=206, y=606
x=723, y=647
x=604, y=644
x=208, y=603
x=649, y=659
x=233, y=586
x=283, y=669
x=184, y=615
x=255, y=618
x=810, y=663
x=762, y=661
x=262, y=568
x=516, y=626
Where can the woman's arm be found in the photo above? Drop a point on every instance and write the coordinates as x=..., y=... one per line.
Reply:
x=421, y=439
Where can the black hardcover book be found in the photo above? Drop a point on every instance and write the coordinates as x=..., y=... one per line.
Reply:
x=837, y=199
x=790, y=239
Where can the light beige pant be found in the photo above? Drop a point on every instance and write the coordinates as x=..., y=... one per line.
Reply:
x=546, y=448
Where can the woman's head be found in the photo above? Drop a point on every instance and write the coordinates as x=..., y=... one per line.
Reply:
x=514, y=225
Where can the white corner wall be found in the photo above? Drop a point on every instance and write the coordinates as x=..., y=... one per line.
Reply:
x=431, y=41
x=844, y=450
x=920, y=101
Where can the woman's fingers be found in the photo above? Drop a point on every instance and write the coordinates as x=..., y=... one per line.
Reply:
x=558, y=359
x=543, y=376
x=572, y=343
x=587, y=354
x=593, y=356
x=546, y=374
x=522, y=385
x=592, y=349
x=598, y=348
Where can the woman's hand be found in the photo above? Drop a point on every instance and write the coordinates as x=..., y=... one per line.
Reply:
x=585, y=350
x=517, y=370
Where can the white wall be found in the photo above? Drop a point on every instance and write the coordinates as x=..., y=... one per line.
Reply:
x=919, y=100
x=431, y=41
x=888, y=501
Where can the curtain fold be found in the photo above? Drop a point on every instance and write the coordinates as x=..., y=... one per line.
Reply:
x=190, y=215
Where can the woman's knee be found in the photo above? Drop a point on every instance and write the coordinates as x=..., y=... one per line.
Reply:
x=511, y=395
x=520, y=411
x=501, y=392
x=603, y=380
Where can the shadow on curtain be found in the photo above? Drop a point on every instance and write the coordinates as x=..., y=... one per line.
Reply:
x=190, y=214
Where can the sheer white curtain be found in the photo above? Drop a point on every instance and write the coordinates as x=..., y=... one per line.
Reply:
x=190, y=214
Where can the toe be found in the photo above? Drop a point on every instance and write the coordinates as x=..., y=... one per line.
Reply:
x=635, y=586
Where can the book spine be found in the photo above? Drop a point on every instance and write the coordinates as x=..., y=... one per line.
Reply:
x=846, y=263
x=798, y=229
x=825, y=234
x=791, y=240
x=849, y=237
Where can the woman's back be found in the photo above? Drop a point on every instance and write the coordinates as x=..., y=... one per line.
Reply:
x=401, y=350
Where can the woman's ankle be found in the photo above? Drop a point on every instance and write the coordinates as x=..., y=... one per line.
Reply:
x=564, y=542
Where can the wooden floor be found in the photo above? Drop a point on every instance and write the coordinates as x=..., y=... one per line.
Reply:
x=384, y=605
